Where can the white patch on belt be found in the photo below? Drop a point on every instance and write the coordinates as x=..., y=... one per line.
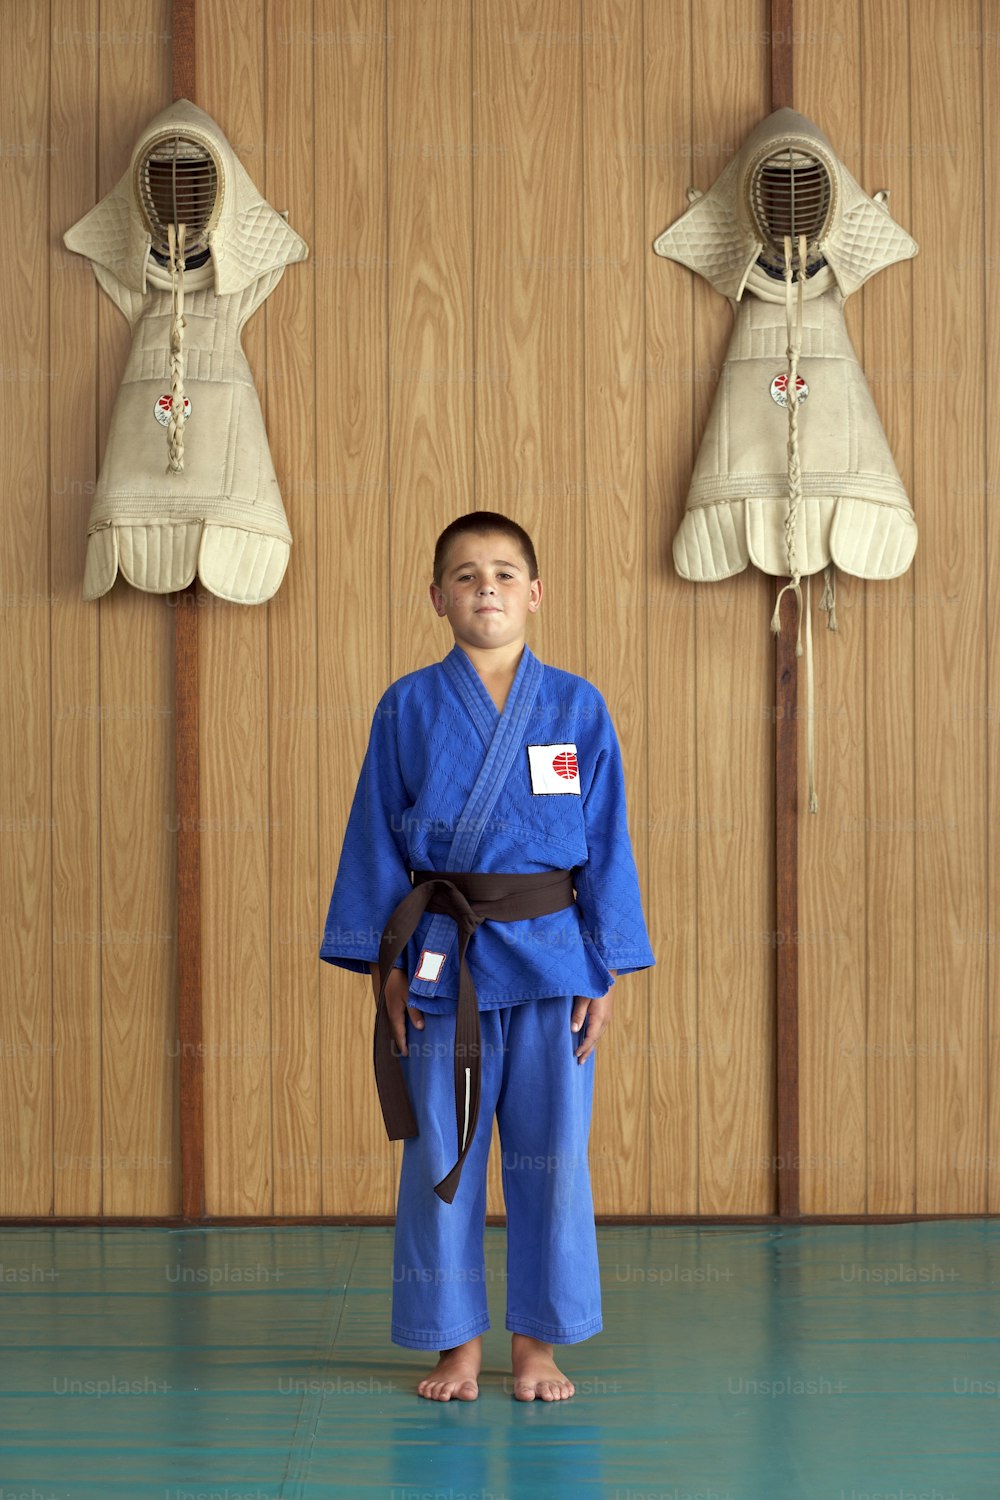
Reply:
x=430, y=965
x=555, y=770
x=465, y=1127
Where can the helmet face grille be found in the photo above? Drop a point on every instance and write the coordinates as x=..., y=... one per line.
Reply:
x=178, y=183
x=790, y=194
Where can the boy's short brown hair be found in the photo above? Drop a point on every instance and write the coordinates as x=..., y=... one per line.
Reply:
x=479, y=522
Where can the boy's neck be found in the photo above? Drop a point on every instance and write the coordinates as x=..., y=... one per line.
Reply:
x=495, y=661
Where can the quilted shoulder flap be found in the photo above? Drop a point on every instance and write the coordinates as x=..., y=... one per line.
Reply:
x=865, y=237
x=710, y=237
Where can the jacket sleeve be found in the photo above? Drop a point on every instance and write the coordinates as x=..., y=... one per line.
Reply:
x=607, y=885
x=374, y=870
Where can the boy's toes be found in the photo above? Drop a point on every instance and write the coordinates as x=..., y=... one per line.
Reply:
x=462, y=1390
x=556, y=1390
x=447, y=1390
x=544, y=1390
x=454, y=1376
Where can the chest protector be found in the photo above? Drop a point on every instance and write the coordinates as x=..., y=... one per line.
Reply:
x=187, y=249
x=794, y=472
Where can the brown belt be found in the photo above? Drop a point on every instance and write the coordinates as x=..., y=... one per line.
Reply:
x=470, y=897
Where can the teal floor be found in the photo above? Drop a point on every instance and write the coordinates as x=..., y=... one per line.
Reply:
x=758, y=1363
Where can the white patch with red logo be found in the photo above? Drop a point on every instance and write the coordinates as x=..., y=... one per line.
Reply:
x=430, y=965
x=555, y=770
x=163, y=408
x=779, y=389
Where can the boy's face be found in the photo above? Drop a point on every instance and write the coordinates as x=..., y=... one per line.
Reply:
x=485, y=590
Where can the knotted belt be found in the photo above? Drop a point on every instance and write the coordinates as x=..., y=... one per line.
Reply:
x=470, y=897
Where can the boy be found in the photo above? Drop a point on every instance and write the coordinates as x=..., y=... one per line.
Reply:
x=491, y=791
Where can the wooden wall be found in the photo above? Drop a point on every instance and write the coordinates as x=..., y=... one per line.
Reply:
x=482, y=322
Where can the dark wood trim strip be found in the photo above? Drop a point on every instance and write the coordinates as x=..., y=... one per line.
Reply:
x=182, y=47
x=786, y=801
x=188, y=851
x=781, y=54
x=786, y=894
x=188, y=854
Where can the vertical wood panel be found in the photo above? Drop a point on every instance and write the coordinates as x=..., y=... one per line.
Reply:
x=433, y=376
x=26, y=812
x=296, y=918
x=733, y=693
x=832, y=842
x=672, y=368
x=140, y=1158
x=887, y=357
x=76, y=953
x=352, y=531
x=235, y=750
x=611, y=591
x=950, y=624
x=986, y=45
x=482, y=323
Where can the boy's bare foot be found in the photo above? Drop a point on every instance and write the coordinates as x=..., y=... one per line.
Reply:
x=536, y=1373
x=455, y=1376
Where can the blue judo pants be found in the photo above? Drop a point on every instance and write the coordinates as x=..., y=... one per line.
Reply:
x=542, y=1099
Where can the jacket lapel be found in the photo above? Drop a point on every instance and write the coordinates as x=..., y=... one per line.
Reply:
x=502, y=735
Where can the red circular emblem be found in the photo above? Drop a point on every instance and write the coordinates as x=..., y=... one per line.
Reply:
x=564, y=764
x=164, y=406
x=779, y=389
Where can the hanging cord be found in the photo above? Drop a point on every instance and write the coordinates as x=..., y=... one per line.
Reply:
x=793, y=324
x=829, y=599
x=175, y=427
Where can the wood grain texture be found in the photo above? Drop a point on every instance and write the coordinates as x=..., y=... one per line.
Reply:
x=236, y=761
x=187, y=793
x=70, y=1176
x=529, y=287
x=732, y=699
x=26, y=844
x=140, y=1167
x=615, y=256
x=831, y=936
x=350, y=256
x=890, y=667
x=988, y=712
x=183, y=34
x=669, y=373
x=482, y=323
x=787, y=1166
x=296, y=914
x=951, y=621
x=783, y=18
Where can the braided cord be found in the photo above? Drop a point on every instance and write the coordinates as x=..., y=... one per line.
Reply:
x=175, y=427
x=793, y=323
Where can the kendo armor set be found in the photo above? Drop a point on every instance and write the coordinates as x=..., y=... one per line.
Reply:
x=794, y=472
x=187, y=249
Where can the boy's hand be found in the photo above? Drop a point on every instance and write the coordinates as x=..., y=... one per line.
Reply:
x=397, y=987
x=597, y=1014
